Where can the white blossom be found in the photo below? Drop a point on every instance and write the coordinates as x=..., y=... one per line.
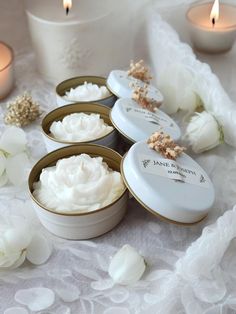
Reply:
x=18, y=241
x=203, y=132
x=14, y=161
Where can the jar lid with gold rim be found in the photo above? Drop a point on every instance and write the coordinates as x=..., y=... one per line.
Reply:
x=136, y=123
x=179, y=191
x=121, y=85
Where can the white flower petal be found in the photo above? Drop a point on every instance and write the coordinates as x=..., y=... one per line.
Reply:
x=3, y=179
x=17, y=238
x=12, y=261
x=127, y=266
x=116, y=310
x=39, y=250
x=13, y=140
x=17, y=168
x=2, y=163
x=67, y=292
x=102, y=284
x=20, y=261
x=16, y=310
x=37, y=299
x=17, y=220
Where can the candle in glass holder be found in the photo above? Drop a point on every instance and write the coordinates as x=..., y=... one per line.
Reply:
x=6, y=70
x=212, y=26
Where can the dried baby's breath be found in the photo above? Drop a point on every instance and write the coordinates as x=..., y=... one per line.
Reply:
x=140, y=95
x=139, y=71
x=165, y=145
x=22, y=111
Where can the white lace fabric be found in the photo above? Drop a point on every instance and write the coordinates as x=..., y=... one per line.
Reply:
x=189, y=271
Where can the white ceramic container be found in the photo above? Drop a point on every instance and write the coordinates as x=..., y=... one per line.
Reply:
x=137, y=124
x=79, y=226
x=108, y=140
x=121, y=85
x=65, y=86
x=179, y=191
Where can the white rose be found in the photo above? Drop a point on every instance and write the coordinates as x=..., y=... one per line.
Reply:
x=19, y=241
x=14, y=162
x=203, y=132
x=177, y=86
x=3, y=174
x=13, y=140
x=126, y=266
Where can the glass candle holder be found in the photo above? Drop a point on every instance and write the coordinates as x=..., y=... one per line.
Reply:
x=208, y=36
x=6, y=70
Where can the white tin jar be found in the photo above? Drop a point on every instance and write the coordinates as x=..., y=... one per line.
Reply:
x=74, y=82
x=79, y=226
x=109, y=140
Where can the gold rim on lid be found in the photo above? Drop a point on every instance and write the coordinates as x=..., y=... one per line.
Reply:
x=148, y=208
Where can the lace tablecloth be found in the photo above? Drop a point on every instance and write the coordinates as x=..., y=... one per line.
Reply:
x=197, y=280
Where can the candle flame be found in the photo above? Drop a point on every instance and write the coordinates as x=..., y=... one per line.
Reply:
x=215, y=12
x=67, y=5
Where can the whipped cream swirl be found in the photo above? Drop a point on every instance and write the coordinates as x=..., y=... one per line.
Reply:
x=78, y=184
x=80, y=127
x=87, y=92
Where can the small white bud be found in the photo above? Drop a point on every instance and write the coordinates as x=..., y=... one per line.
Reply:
x=127, y=266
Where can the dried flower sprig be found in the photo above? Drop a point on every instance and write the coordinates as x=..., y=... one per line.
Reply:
x=22, y=111
x=140, y=95
x=139, y=71
x=165, y=145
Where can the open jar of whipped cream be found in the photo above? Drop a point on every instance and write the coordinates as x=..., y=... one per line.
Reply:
x=78, y=191
x=84, y=89
x=78, y=123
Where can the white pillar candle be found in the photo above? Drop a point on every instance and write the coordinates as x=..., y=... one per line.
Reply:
x=212, y=31
x=6, y=70
x=78, y=42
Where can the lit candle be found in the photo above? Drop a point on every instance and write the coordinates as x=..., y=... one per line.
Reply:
x=213, y=26
x=215, y=12
x=67, y=5
x=77, y=43
x=6, y=70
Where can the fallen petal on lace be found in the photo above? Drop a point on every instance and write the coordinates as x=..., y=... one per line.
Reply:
x=39, y=250
x=36, y=299
x=16, y=310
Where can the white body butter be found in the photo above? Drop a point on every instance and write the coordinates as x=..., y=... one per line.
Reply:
x=80, y=127
x=87, y=92
x=78, y=184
